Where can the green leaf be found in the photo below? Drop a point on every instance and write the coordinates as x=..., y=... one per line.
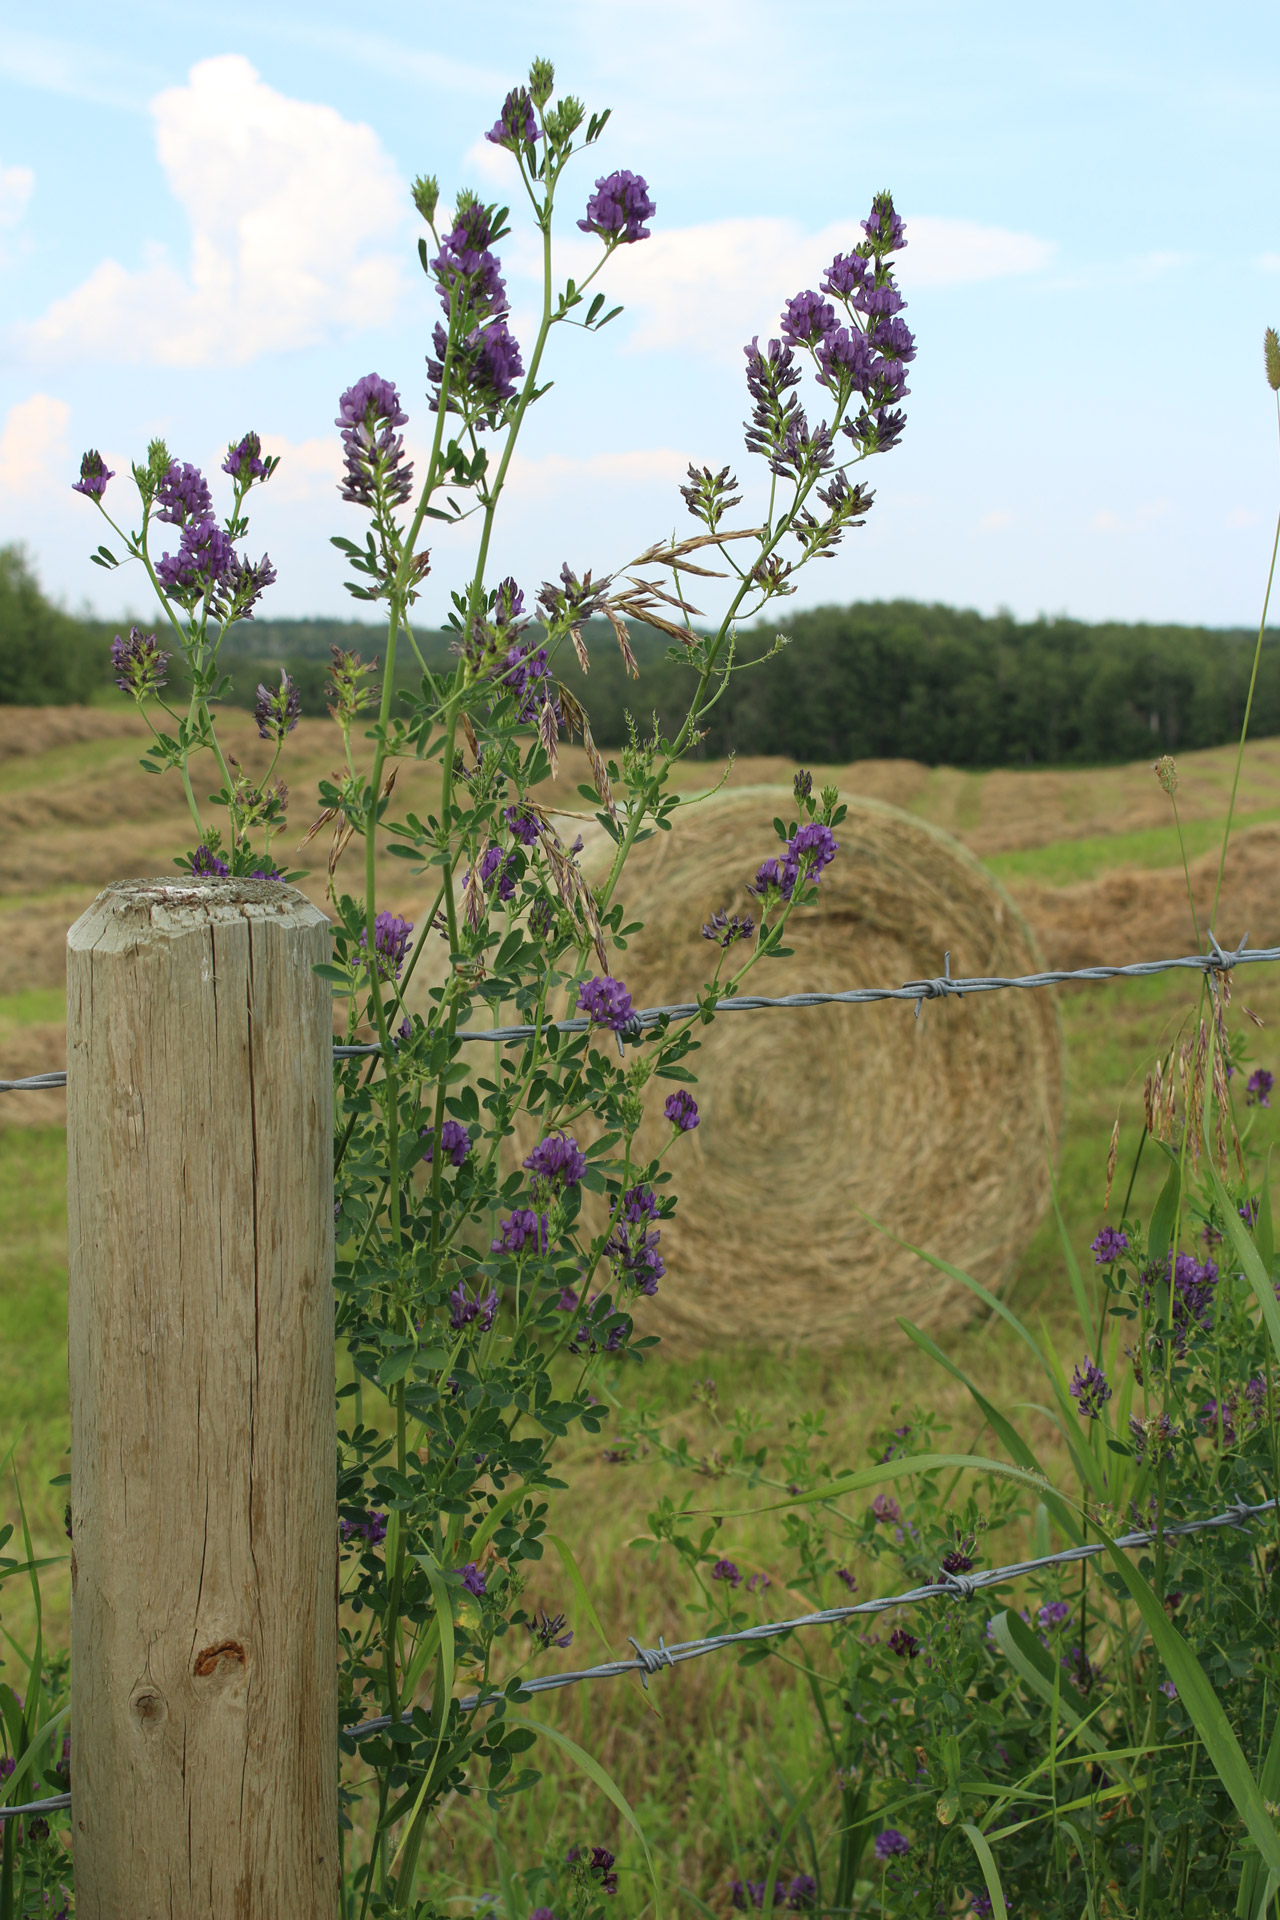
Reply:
x=396, y=1365
x=1250, y=1905
x=883, y=1470
x=990, y=1872
x=1164, y=1215
x=597, y=1775
x=1036, y=1666
x=1198, y=1697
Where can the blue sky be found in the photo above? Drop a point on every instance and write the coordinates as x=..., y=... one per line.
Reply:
x=204, y=226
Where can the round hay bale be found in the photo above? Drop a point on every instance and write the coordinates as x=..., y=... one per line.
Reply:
x=940, y=1128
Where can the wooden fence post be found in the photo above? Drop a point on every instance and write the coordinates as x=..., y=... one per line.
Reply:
x=203, y=1506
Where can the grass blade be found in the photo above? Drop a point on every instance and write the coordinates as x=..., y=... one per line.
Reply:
x=990, y=1873
x=886, y=1470
x=1247, y=1254
x=963, y=1279
x=579, y=1585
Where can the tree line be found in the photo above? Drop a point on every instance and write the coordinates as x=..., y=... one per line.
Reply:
x=876, y=680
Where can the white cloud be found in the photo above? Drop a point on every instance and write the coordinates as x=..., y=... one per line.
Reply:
x=996, y=522
x=290, y=208
x=15, y=191
x=695, y=287
x=308, y=470
x=1142, y=517
x=486, y=161
x=640, y=467
x=1269, y=262
x=33, y=446
x=1241, y=517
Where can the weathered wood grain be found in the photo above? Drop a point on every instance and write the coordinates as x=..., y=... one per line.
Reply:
x=204, y=1628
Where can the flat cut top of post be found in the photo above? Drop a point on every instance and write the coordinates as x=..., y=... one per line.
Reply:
x=182, y=903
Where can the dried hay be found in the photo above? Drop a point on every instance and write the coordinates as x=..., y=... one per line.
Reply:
x=938, y=1127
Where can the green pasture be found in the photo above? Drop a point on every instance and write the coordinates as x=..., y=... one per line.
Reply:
x=702, y=1755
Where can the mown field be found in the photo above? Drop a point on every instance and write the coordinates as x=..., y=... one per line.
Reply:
x=1093, y=861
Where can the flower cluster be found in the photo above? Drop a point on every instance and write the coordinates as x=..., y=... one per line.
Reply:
x=632, y=1245
x=606, y=1002
x=517, y=124
x=373, y=452
x=548, y=1629
x=1259, y=1088
x=277, y=708
x=371, y=1527
x=139, y=665
x=465, y=1309
x=681, y=1109
x=245, y=462
x=1108, y=1246
x=455, y=1142
x=618, y=209
x=725, y=927
x=524, y=1228
x=208, y=862
x=891, y=1845
x=1089, y=1389
x=183, y=495
x=390, y=944
x=597, y=1862
x=485, y=363
x=555, y=1163
x=810, y=849
x=94, y=475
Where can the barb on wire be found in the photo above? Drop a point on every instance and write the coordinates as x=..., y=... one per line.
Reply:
x=650, y=1660
x=942, y=986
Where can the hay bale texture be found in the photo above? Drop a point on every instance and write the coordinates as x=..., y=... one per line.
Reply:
x=939, y=1128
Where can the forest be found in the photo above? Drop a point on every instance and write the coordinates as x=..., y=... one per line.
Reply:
x=876, y=680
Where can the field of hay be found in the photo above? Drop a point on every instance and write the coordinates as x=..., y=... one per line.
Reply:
x=1092, y=860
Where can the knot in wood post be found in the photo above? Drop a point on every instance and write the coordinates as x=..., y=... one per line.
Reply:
x=203, y=1504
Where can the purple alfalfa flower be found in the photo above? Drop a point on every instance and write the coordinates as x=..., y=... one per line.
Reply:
x=1089, y=1389
x=845, y=360
x=759, y=1583
x=567, y=1301
x=725, y=927
x=516, y=123
x=556, y=1163
x=802, y=785
x=1258, y=1091
x=606, y=1002
x=543, y=1913
x=619, y=207
x=94, y=475
x=843, y=1574
x=267, y=871
x=807, y=319
x=244, y=461
x=850, y=277
x=241, y=585
x=638, y=1204
x=468, y=275
x=726, y=1570
x=203, y=560
x=1248, y=1211
x=771, y=876
x=1108, y=1245
x=904, y=1644
x=956, y=1560
x=494, y=365
x=371, y=1527
x=139, y=665
x=523, y=823
x=802, y=1892
x=277, y=709
x=1168, y=1689
x=498, y=872
x=1053, y=1614
x=876, y=429
x=209, y=863
x=891, y=1845
x=390, y=944
x=810, y=849
x=681, y=1110
x=632, y=1245
x=548, y=1629
x=770, y=372
x=472, y=1579
x=885, y=1509
x=524, y=1229
x=1153, y=1437
x=885, y=230
x=183, y=495
x=368, y=414
x=454, y=1139
x=464, y=1309
x=980, y=1905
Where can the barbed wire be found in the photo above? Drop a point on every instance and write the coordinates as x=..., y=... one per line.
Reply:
x=941, y=987
x=651, y=1660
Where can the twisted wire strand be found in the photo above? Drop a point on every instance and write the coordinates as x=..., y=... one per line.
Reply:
x=941, y=987
x=651, y=1660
